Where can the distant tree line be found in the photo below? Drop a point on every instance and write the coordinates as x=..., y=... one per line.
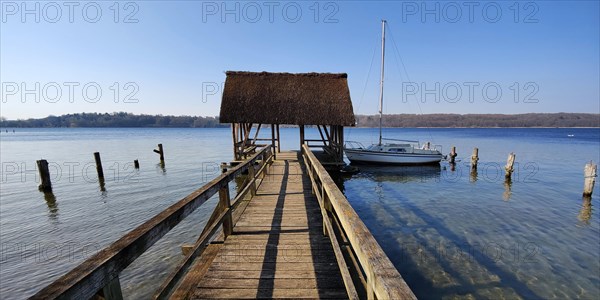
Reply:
x=117, y=119
x=122, y=119
x=482, y=120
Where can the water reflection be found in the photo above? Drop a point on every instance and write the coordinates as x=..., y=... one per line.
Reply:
x=52, y=205
x=585, y=214
x=473, y=175
x=437, y=260
x=507, y=189
x=161, y=165
x=401, y=174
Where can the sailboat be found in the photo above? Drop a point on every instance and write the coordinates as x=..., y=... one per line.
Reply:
x=395, y=152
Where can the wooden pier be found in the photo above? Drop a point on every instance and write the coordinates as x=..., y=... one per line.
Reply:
x=289, y=232
x=286, y=231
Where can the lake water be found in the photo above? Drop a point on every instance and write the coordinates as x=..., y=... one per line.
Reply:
x=450, y=233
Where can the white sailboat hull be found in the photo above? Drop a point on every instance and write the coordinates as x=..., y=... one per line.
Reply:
x=376, y=157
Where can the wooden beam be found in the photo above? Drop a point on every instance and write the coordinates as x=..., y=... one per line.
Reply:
x=327, y=133
x=278, y=140
x=256, y=133
x=273, y=135
x=301, y=136
x=322, y=137
x=234, y=135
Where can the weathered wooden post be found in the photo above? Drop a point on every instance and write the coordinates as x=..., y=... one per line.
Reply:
x=223, y=167
x=301, y=136
x=136, y=164
x=589, y=179
x=252, y=181
x=99, y=166
x=46, y=184
x=225, y=203
x=161, y=152
x=453, y=154
x=474, y=159
x=509, y=166
x=278, y=140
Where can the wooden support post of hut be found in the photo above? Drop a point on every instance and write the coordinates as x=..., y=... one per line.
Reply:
x=306, y=99
x=474, y=159
x=46, y=184
x=509, y=166
x=453, y=154
x=278, y=140
x=590, y=178
x=302, y=139
x=99, y=166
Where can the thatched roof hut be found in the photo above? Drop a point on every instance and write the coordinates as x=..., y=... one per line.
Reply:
x=286, y=98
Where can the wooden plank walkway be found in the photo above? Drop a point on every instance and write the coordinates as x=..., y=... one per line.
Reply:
x=277, y=249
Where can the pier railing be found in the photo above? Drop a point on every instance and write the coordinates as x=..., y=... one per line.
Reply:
x=366, y=270
x=99, y=275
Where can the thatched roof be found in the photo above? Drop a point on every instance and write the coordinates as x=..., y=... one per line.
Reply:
x=285, y=98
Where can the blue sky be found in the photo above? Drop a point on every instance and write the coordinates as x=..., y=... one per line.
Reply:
x=169, y=57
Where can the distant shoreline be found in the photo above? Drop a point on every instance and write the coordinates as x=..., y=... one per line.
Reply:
x=128, y=120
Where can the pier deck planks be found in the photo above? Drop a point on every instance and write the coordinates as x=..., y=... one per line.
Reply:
x=277, y=249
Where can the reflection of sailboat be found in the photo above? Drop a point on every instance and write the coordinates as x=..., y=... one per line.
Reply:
x=402, y=174
x=399, y=152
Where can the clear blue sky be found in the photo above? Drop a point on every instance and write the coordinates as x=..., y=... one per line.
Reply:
x=177, y=49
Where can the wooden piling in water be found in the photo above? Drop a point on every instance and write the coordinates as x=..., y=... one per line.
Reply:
x=136, y=164
x=223, y=167
x=99, y=165
x=161, y=152
x=509, y=166
x=453, y=154
x=474, y=158
x=590, y=173
x=46, y=184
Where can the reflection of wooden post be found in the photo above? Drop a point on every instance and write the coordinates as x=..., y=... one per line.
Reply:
x=161, y=153
x=509, y=165
x=507, y=190
x=136, y=164
x=585, y=214
x=453, y=154
x=590, y=178
x=99, y=165
x=46, y=184
x=474, y=159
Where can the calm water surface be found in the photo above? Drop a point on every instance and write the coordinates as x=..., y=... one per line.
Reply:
x=451, y=233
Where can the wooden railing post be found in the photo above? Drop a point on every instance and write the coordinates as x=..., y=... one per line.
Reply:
x=325, y=214
x=252, y=178
x=225, y=203
x=370, y=288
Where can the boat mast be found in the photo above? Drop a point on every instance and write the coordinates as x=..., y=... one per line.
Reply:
x=381, y=80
